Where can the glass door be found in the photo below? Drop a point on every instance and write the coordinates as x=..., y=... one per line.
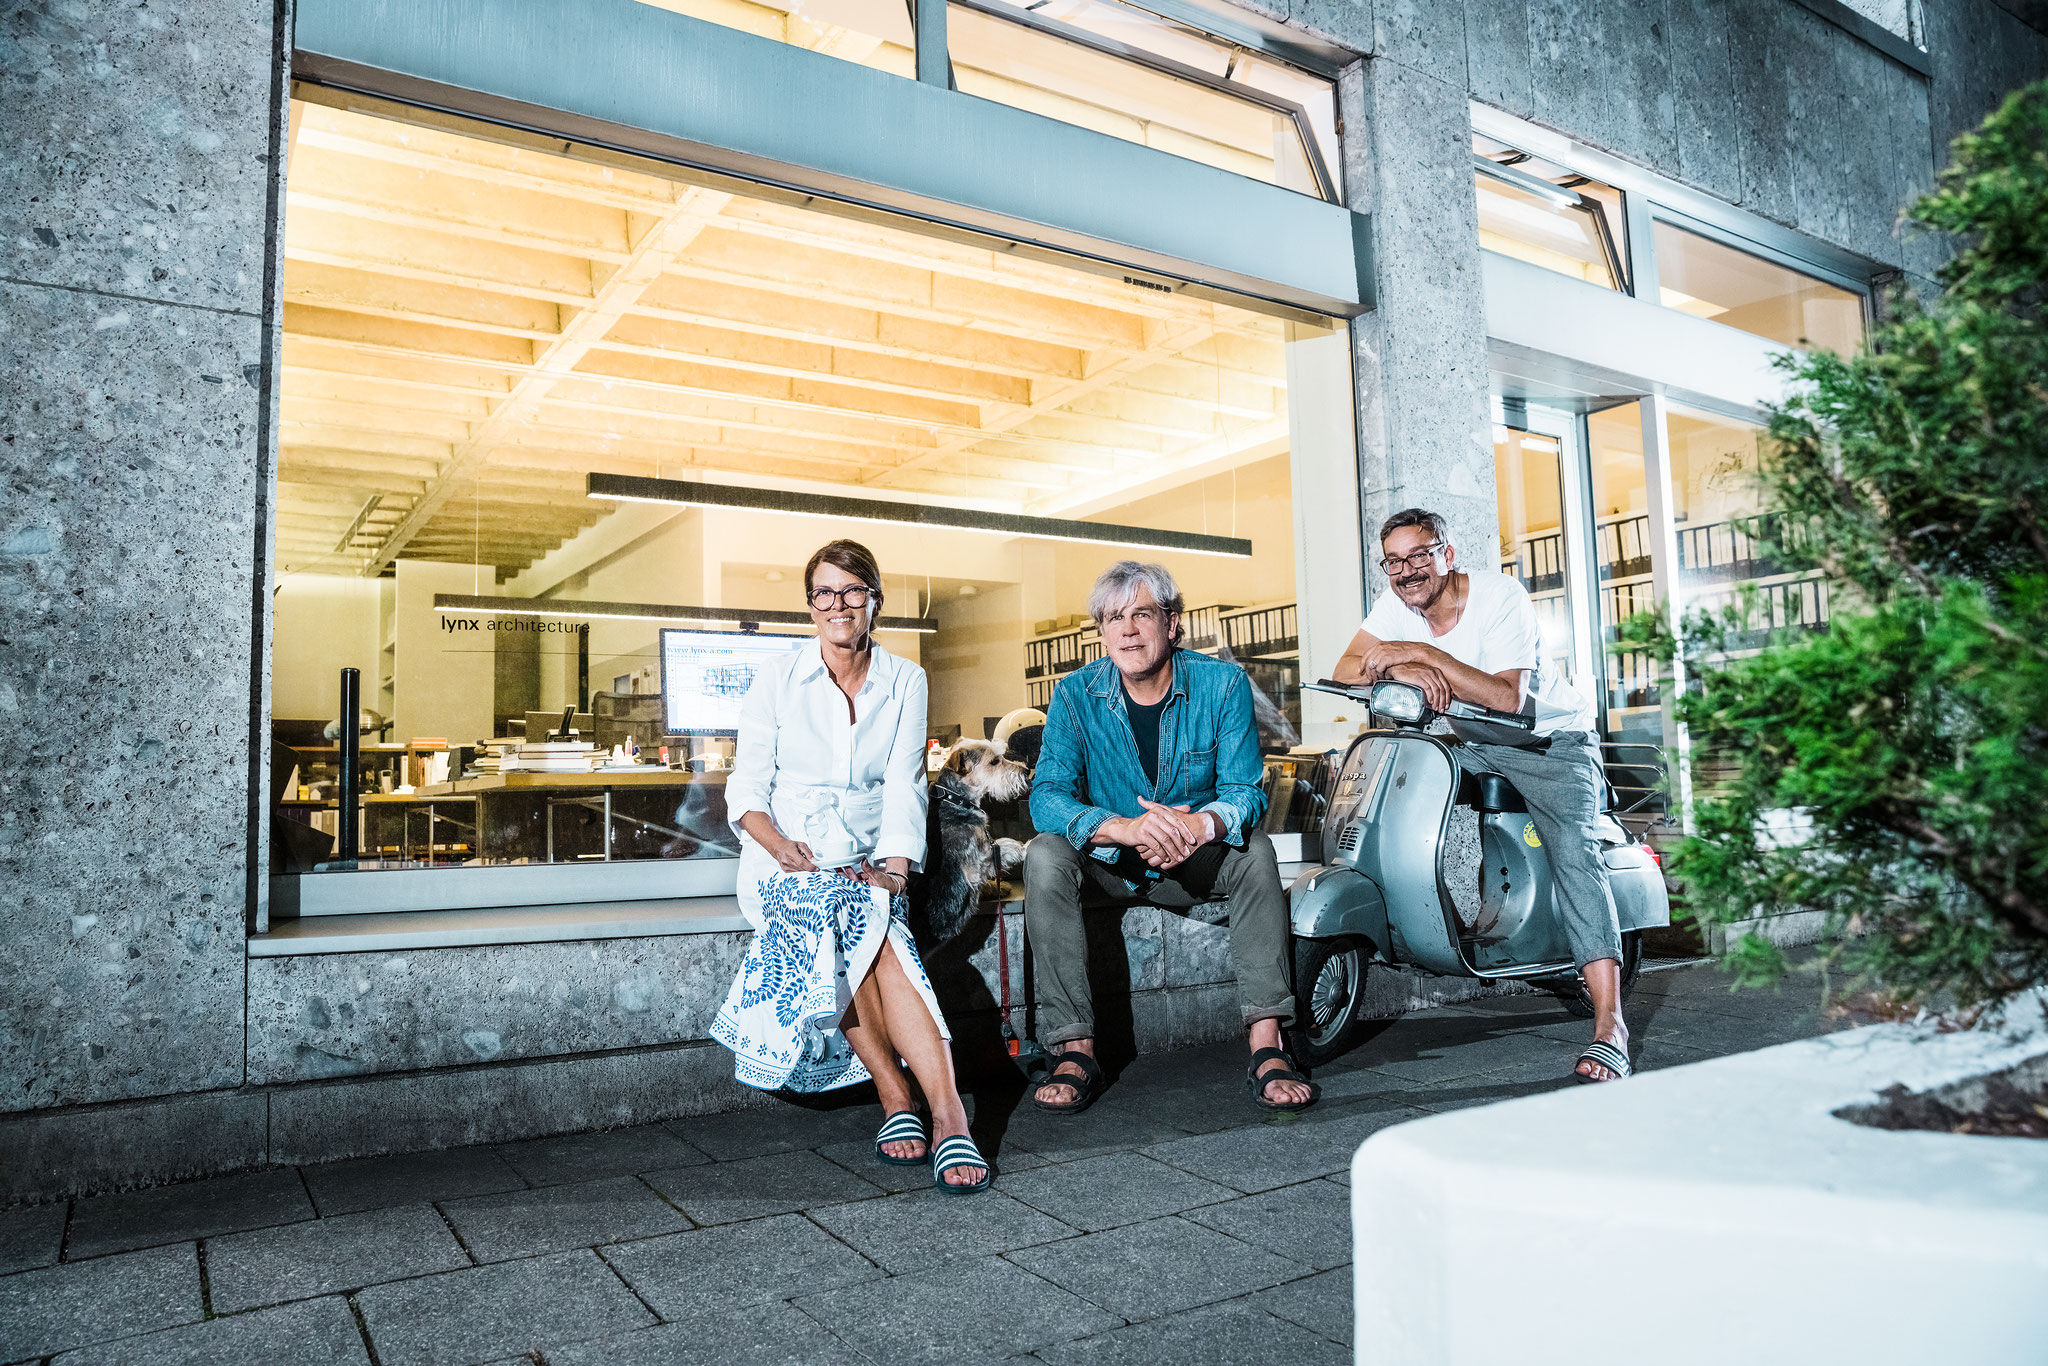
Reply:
x=1537, y=481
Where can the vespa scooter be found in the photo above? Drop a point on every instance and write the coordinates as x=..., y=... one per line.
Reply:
x=1427, y=865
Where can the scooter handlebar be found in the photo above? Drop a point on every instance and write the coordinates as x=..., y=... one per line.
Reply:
x=1464, y=711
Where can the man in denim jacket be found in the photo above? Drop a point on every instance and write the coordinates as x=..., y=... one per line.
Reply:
x=1148, y=788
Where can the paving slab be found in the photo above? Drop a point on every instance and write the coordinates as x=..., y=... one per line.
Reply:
x=764, y=1335
x=585, y=1157
x=1266, y=1156
x=522, y=1223
x=1142, y=1271
x=407, y=1179
x=1104, y=1127
x=1447, y=1062
x=79, y=1303
x=736, y=1265
x=919, y=1228
x=1106, y=1192
x=321, y=1256
x=778, y=1127
x=1308, y=1223
x=755, y=1187
x=494, y=1311
x=982, y=1310
x=1230, y=1336
x=31, y=1236
x=316, y=1333
x=195, y=1209
x=1320, y=1303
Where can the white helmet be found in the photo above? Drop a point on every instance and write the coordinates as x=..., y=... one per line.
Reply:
x=1014, y=722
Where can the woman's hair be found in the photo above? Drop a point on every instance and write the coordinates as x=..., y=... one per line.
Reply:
x=857, y=560
x=1119, y=585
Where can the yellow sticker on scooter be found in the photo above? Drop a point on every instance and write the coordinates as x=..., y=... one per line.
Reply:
x=1529, y=835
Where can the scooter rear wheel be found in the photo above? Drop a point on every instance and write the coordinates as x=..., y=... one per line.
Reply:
x=1329, y=989
x=1577, y=1001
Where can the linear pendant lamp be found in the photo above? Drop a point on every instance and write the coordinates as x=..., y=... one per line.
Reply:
x=649, y=611
x=628, y=488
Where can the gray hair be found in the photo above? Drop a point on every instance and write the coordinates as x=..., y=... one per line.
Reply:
x=1119, y=585
x=1432, y=522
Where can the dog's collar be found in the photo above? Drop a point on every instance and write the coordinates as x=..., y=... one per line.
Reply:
x=949, y=789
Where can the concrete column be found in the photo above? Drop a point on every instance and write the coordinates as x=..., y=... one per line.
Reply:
x=138, y=162
x=1420, y=356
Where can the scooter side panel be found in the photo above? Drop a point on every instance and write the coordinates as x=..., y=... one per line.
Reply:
x=1408, y=807
x=1641, y=901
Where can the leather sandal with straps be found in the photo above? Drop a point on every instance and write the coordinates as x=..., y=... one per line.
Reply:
x=1086, y=1086
x=1256, y=1081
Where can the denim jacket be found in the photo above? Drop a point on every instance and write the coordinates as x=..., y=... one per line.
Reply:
x=1088, y=769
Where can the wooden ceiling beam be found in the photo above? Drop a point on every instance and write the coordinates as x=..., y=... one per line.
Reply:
x=660, y=244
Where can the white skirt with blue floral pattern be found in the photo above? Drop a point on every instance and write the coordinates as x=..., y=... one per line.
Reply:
x=820, y=937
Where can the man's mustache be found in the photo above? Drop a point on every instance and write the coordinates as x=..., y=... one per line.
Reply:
x=1411, y=581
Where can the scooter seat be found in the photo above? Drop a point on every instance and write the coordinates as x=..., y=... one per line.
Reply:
x=1489, y=792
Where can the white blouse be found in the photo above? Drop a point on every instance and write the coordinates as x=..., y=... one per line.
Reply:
x=797, y=753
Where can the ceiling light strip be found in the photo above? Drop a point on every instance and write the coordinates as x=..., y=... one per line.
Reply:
x=649, y=611
x=627, y=488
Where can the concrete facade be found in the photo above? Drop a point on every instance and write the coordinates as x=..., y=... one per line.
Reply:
x=139, y=219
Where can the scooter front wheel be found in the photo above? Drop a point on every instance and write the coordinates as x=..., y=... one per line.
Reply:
x=1329, y=987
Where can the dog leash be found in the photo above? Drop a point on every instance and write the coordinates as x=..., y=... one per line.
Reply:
x=1030, y=1057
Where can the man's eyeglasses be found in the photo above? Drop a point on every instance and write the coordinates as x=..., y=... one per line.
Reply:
x=853, y=595
x=1417, y=560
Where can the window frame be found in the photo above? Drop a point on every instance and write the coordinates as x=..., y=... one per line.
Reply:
x=1618, y=264
x=1327, y=188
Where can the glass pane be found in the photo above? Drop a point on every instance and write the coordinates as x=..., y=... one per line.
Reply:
x=1577, y=231
x=875, y=33
x=461, y=350
x=1709, y=280
x=1028, y=68
x=1526, y=475
x=1632, y=720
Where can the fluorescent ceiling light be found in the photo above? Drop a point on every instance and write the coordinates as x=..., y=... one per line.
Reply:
x=626, y=488
x=649, y=611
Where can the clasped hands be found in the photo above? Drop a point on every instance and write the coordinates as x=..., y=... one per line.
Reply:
x=1162, y=835
x=1407, y=661
x=794, y=856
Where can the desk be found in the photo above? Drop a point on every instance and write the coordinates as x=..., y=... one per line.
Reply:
x=410, y=802
x=591, y=791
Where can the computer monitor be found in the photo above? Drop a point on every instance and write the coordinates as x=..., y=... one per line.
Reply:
x=705, y=676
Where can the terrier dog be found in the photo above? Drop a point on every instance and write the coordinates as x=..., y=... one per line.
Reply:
x=960, y=854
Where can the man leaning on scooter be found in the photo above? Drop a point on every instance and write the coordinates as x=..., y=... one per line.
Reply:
x=1473, y=637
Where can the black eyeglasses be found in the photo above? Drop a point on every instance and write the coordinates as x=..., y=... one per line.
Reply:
x=1417, y=559
x=853, y=595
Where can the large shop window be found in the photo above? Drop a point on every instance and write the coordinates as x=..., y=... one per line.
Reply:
x=1708, y=279
x=472, y=329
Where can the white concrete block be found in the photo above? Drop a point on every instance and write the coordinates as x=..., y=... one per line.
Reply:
x=1586, y=1226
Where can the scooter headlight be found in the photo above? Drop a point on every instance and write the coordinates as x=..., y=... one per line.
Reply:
x=1398, y=701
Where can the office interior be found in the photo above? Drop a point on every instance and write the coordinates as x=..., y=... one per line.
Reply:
x=476, y=322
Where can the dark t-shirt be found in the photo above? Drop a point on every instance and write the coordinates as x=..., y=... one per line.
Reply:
x=1145, y=730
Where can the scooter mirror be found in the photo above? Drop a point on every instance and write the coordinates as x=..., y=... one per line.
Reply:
x=1401, y=702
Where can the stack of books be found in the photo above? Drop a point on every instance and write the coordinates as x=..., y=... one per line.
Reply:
x=558, y=757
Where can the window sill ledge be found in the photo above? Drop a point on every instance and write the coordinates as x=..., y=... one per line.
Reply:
x=404, y=930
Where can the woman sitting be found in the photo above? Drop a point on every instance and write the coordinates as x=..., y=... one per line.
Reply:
x=828, y=797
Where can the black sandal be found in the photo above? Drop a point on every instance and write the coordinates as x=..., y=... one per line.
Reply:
x=1086, y=1086
x=1256, y=1082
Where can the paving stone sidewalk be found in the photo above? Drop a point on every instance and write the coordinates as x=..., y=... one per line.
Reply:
x=1170, y=1223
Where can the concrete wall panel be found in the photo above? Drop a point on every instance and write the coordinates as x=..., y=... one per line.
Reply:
x=342, y=1014
x=1603, y=71
x=1497, y=55
x=1424, y=35
x=134, y=156
x=137, y=1143
x=127, y=532
x=448, y=1109
x=1704, y=91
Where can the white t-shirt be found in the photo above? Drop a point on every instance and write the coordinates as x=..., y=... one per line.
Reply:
x=1497, y=632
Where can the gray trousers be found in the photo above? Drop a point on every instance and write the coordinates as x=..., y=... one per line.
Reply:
x=1059, y=880
x=1566, y=790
